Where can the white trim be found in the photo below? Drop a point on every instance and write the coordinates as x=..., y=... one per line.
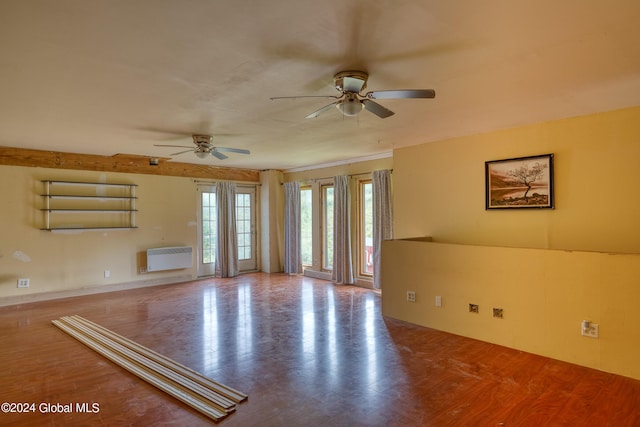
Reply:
x=342, y=162
x=314, y=274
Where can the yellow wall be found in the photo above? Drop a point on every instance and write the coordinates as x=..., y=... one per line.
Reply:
x=56, y=262
x=548, y=269
x=545, y=295
x=439, y=187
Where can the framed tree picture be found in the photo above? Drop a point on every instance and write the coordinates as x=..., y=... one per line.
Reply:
x=523, y=182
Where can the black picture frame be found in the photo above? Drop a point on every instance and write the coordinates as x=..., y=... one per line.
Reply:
x=520, y=183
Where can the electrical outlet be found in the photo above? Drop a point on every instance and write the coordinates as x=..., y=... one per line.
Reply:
x=411, y=296
x=589, y=329
x=23, y=283
x=143, y=270
x=473, y=308
x=438, y=301
x=107, y=274
x=498, y=313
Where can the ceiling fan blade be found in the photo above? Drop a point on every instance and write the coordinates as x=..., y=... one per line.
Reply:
x=163, y=145
x=181, y=152
x=402, y=94
x=377, y=109
x=352, y=84
x=322, y=110
x=233, y=150
x=217, y=154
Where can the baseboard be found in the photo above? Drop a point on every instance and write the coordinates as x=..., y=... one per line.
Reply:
x=364, y=283
x=317, y=274
x=325, y=275
x=68, y=293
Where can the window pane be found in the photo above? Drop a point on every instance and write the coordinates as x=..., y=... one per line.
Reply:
x=366, y=249
x=306, y=227
x=209, y=228
x=327, y=229
x=243, y=225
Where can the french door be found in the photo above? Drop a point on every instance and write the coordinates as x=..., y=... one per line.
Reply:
x=207, y=229
x=245, y=229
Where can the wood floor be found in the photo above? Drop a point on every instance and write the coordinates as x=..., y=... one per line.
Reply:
x=307, y=353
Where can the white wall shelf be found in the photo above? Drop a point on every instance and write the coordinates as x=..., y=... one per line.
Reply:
x=70, y=205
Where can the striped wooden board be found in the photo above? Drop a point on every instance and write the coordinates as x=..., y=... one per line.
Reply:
x=209, y=397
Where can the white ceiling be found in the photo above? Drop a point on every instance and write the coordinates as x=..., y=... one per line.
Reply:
x=118, y=76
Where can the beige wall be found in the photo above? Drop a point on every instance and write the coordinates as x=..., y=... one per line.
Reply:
x=271, y=220
x=62, y=261
x=548, y=269
x=61, y=264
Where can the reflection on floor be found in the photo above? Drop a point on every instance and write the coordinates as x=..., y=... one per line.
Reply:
x=307, y=352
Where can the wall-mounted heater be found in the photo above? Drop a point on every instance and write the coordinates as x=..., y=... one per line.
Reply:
x=159, y=259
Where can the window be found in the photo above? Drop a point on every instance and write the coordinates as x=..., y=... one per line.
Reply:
x=317, y=228
x=246, y=228
x=365, y=228
x=327, y=227
x=306, y=226
x=209, y=227
x=243, y=226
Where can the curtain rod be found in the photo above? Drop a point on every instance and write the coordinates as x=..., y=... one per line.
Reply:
x=331, y=177
x=247, y=183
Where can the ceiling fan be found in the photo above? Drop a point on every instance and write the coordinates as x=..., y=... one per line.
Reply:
x=204, y=148
x=351, y=101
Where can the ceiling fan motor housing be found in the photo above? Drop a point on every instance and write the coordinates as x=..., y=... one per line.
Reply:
x=202, y=139
x=338, y=79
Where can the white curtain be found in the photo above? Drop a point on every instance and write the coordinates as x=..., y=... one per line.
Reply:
x=227, y=245
x=342, y=266
x=292, y=255
x=382, y=218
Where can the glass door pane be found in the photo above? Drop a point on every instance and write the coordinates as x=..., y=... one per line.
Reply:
x=327, y=227
x=366, y=228
x=207, y=230
x=246, y=228
x=306, y=226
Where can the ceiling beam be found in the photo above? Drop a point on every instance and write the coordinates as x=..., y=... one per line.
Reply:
x=125, y=163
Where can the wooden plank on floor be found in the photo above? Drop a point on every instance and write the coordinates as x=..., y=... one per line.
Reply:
x=191, y=387
x=232, y=394
x=176, y=380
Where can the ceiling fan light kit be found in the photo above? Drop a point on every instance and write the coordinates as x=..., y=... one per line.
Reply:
x=350, y=106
